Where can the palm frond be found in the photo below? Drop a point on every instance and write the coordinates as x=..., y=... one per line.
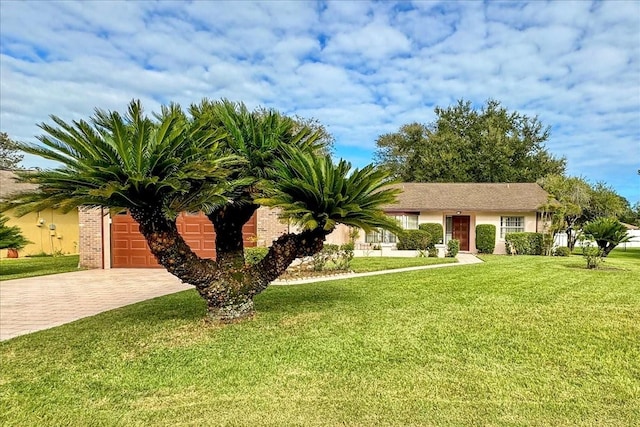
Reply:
x=130, y=161
x=314, y=192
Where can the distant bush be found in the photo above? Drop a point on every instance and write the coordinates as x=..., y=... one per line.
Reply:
x=526, y=243
x=333, y=257
x=453, y=247
x=254, y=255
x=592, y=255
x=435, y=230
x=562, y=251
x=414, y=239
x=485, y=238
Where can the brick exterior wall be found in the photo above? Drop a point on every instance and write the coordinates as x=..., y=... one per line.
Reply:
x=90, y=246
x=270, y=227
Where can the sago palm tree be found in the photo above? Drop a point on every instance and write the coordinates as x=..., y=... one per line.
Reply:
x=607, y=232
x=258, y=137
x=221, y=159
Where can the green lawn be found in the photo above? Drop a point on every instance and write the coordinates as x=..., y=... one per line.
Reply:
x=37, y=266
x=514, y=341
x=364, y=264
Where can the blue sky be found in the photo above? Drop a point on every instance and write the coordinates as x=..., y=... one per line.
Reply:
x=362, y=68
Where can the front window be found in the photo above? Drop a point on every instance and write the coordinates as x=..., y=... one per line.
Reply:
x=380, y=236
x=407, y=221
x=511, y=224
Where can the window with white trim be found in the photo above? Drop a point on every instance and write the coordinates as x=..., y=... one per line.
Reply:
x=511, y=224
x=406, y=221
x=380, y=236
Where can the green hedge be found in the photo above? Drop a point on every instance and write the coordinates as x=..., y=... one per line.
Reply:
x=526, y=243
x=485, y=238
x=435, y=230
x=562, y=251
x=414, y=239
x=453, y=247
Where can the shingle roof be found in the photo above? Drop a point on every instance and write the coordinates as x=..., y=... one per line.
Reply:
x=512, y=197
x=9, y=186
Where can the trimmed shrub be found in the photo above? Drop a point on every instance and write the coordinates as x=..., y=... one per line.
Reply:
x=254, y=255
x=345, y=256
x=536, y=241
x=435, y=230
x=414, y=239
x=562, y=251
x=485, y=238
x=453, y=247
x=526, y=243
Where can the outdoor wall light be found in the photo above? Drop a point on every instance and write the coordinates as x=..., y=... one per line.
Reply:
x=52, y=229
x=458, y=212
x=40, y=222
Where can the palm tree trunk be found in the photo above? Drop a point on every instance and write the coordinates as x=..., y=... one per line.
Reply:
x=227, y=285
x=228, y=222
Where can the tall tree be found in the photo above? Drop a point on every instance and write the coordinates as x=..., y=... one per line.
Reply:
x=605, y=202
x=573, y=195
x=221, y=159
x=10, y=156
x=468, y=145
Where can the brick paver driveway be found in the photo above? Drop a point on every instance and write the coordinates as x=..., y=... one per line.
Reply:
x=36, y=303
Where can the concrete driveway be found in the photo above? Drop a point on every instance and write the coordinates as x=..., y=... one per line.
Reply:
x=36, y=303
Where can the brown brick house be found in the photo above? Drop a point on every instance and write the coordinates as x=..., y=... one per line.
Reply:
x=108, y=241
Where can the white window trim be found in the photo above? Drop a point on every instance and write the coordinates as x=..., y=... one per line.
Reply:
x=506, y=225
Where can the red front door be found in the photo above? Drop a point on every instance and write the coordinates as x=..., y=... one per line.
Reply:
x=460, y=226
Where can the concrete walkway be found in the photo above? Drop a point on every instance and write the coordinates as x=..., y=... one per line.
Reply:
x=37, y=303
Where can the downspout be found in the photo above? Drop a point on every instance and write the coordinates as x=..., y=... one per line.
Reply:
x=102, y=236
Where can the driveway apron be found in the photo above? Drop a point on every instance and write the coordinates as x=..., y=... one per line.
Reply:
x=36, y=303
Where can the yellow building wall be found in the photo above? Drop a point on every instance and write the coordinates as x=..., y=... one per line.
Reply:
x=36, y=227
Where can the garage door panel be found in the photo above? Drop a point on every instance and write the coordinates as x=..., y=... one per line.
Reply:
x=120, y=244
x=192, y=229
x=144, y=260
x=139, y=244
x=129, y=249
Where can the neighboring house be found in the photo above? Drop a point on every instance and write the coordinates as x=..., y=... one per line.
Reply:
x=51, y=231
x=459, y=207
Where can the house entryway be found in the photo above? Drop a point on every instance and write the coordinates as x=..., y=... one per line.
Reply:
x=460, y=230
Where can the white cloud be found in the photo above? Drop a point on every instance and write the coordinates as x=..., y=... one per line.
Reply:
x=362, y=68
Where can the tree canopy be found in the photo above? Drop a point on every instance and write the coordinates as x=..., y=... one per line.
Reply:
x=465, y=144
x=10, y=156
x=576, y=202
x=217, y=157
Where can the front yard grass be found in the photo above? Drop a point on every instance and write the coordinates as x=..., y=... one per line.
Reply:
x=514, y=341
x=365, y=264
x=37, y=266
